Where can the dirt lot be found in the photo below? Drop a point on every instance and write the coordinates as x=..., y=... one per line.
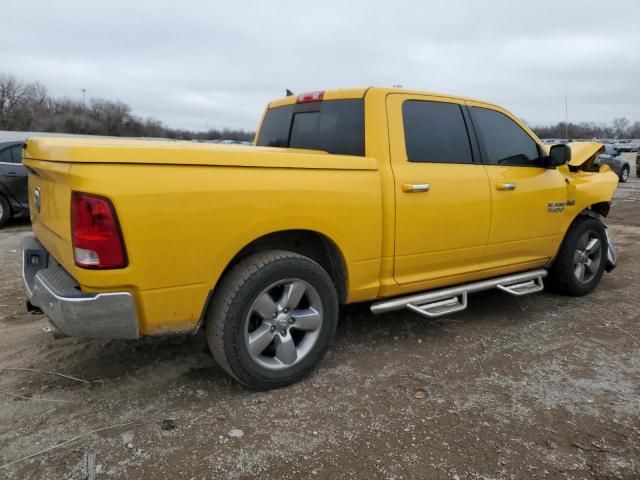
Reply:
x=536, y=387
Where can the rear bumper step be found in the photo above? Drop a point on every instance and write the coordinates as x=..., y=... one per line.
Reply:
x=50, y=289
x=436, y=303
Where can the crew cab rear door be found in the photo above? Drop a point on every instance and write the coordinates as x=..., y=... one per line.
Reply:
x=527, y=199
x=442, y=193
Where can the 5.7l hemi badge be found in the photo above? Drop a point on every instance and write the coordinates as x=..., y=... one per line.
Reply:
x=555, y=207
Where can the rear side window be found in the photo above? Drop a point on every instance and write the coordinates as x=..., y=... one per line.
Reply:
x=503, y=141
x=335, y=126
x=435, y=132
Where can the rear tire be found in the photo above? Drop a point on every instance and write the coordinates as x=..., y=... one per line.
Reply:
x=581, y=260
x=5, y=211
x=272, y=319
x=624, y=174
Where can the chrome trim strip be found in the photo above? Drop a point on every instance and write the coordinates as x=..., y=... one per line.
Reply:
x=435, y=295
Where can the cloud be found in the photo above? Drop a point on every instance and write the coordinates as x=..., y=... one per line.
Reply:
x=198, y=64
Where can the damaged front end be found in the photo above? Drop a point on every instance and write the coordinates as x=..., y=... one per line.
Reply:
x=594, y=184
x=583, y=157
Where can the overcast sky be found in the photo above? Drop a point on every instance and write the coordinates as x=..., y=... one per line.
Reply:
x=200, y=64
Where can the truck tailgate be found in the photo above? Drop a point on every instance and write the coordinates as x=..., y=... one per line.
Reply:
x=49, y=203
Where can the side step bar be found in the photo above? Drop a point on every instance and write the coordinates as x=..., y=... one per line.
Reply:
x=436, y=303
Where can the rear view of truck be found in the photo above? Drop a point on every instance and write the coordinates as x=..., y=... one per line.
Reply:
x=73, y=230
x=257, y=244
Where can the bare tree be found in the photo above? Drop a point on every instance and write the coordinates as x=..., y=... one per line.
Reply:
x=620, y=127
x=20, y=102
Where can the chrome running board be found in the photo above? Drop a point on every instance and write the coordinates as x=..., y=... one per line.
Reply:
x=436, y=303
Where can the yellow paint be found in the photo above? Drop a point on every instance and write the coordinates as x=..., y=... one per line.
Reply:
x=187, y=208
x=582, y=152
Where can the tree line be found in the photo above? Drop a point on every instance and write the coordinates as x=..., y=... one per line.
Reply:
x=618, y=128
x=26, y=106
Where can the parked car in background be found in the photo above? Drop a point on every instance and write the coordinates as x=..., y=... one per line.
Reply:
x=617, y=162
x=13, y=182
x=626, y=146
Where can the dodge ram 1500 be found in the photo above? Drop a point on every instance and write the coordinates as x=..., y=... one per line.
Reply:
x=401, y=198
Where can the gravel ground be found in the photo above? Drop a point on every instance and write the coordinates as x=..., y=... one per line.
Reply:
x=536, y=387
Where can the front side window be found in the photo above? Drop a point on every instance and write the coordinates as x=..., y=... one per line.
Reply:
x=5, y=156
x=503, y=141
x=435, y=132
x=16, y=152
x=334, y=126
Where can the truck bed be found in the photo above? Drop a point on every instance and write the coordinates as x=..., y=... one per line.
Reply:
x=187, y=208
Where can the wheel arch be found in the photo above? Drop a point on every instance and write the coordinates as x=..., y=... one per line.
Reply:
x=312, y=244
x=595, y=210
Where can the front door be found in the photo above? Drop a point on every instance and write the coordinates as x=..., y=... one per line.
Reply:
x=528, y=200
x=442, y=193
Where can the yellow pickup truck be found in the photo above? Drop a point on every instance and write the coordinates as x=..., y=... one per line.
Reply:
x=401, y=198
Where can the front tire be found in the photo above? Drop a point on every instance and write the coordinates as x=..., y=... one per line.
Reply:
x=272, y=319
x=581, y=260
x=624, y=174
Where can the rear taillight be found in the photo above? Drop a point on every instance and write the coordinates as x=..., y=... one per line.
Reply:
x=310, y=97
x=95, y=232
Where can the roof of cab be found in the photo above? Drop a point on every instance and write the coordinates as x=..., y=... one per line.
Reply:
x=347, y=93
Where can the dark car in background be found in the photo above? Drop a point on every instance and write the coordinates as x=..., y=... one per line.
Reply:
x=617, y=162
x=14, y=201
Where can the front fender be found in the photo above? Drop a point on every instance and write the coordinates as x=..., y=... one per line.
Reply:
x=589, y=191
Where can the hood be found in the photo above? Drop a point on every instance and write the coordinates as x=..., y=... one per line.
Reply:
x=583, y=154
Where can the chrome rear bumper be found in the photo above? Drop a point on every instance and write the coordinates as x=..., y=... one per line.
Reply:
x=72, y=312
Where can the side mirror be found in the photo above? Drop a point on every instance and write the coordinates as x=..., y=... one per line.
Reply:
x=558, y=155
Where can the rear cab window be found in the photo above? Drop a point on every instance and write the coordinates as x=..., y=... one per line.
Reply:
x=333, y=126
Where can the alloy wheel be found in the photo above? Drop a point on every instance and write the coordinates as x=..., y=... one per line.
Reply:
x=587, y=257
x=283, y=324
x=625, y=174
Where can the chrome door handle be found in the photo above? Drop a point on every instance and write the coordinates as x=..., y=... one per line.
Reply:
x=415, y=187
x=505, y=186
